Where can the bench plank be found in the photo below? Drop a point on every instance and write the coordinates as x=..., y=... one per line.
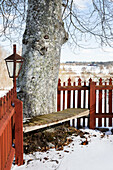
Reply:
x=47, y=120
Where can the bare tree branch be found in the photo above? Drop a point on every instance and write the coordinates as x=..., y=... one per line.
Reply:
x=95, y=19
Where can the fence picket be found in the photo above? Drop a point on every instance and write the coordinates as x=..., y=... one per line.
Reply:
x=84, y=103
x=1, y=108
x=110, y=102
x=100, y=103
x=63, y=97
x=58, y=96
x=79, y=94
x=100, y=117
x=74, y=96
x=90, y=80
x=84, y=99
x=69, y=94
x=7, y=122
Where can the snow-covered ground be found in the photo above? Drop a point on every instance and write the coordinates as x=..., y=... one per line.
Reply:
x=3, y=93
x=97, y=155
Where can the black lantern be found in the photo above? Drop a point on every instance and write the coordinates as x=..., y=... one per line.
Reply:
x=14, y=64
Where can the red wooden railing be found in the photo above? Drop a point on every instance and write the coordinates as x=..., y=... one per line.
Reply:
x=92, y=96
x=102, y=102
x=74, y=96
x=11, y=130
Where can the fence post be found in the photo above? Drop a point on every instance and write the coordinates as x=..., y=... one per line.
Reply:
x=58, y=96
x=0, y=152
x=18, y=132
x=92, y=105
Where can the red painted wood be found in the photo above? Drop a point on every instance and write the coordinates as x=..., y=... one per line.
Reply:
x=104, y=115
x=110, y=103
x=4, y=105
x=90, y=80
x=0, y=152
x=5, y=120
x=84, y=99
x=7, y=113
x=18, y=132
x=78, y=123
x=1, y=108
x=83, y=121
x=10, y=159
x=3, y=151
x=100, y=104
x=92, y=105
x=58, y=96
x=74, y=96
x=105, y=96
x=73, y=122
x=103, y=87
x=73, y=88
x=63, y=97
x=79, y=94
x=69, y=94
x=84, y=103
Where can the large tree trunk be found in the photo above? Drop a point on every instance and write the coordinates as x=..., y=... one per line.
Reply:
x=42, y=41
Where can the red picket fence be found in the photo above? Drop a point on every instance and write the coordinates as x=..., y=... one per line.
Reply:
x=102, y=104
x=92, y=96
x=11, y=130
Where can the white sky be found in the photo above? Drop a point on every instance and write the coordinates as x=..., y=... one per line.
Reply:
x=67, y=53
x=97, y=54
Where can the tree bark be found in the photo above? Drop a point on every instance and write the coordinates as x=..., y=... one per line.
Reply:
x=42, y=41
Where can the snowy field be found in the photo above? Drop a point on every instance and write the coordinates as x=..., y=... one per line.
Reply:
x=97, y=155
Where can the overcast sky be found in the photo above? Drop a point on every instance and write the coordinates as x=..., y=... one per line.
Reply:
x=98, y=54
x=71, y=53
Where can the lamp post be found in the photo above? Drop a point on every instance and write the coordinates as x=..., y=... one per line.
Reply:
x=14, y=64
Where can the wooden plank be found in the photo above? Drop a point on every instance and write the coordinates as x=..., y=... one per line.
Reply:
x=68, y=114
x=104, y=115
x=84, y=99
x=4, y=121
x=74, y=96
x=104, y=87
x=10, y=159
x=72, y=88
x=92, y=105
x=90, y=80
x=63, y=97
x=18, y=132
x=1, y=108
x=110, y=103
x=58, y=96
x=105, y=97
x=100, y=104
x=1, y=152
x=78, y=122
x=79, y=94
x=69, y=94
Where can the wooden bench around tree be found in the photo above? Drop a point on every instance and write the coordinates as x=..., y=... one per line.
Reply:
x=55, y=118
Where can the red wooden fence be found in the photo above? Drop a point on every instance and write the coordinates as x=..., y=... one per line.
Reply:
x=11, y=130
x=74, y=96
x=97, y=98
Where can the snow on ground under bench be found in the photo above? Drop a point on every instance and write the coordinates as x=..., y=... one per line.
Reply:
x=97, y=155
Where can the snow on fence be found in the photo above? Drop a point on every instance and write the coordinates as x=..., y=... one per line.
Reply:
x=11, y=136
x=98, y=97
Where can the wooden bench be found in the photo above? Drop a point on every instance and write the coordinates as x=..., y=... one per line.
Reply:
x=55, y=118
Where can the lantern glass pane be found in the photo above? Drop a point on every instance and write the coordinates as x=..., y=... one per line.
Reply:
x=18, y=65
x=10, y=66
